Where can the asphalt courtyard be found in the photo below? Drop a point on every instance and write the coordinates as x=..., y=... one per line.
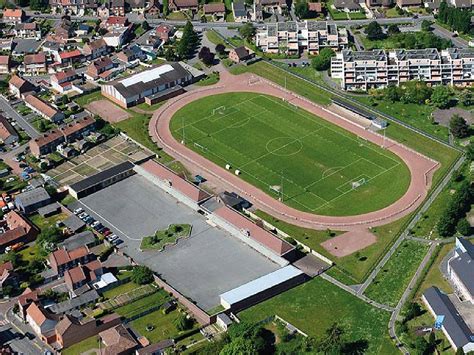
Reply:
x=206, y=264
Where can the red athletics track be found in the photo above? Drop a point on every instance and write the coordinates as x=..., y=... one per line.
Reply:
x=421, y=167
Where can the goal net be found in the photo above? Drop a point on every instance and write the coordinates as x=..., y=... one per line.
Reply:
x=218, y=110
x=253, y=80
x=360, y=182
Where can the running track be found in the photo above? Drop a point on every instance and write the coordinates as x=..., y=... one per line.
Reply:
x=421, y=167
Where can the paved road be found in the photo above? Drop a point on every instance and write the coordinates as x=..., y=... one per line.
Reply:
x=24, y=124
x=405, y=296
x=411, y=225
x=355, y=293
x=444, y=33
x=198, y=24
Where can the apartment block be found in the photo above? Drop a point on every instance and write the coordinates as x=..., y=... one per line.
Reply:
x=363, y=70
x=298, y=37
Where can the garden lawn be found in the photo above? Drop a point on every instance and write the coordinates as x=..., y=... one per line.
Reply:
x=165, y=237
x=293, y=83
x=119, y=290
x=314, y=306
x=418, y=116
x=143, y=304
x=83, y=346
x=211, y=79
x=393, y=279
x=46, y=222
x=163, y=326
x=273, y=144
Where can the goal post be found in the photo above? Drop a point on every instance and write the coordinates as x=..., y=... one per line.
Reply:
x=358, y=183
x=219, y=110
x=253, y=80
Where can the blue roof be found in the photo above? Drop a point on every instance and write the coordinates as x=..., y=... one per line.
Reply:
x=261, y=284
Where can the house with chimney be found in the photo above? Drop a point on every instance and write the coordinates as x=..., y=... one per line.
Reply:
x=20, y=87
x=78, y=129
x=5, y=64
x=82, y=276
x=27, y=30
x=42, y=322
x=215, y=10
x=117, y=7
x=34, y=64
x=95, y=49
x=62, y=81
x=68, y=58
x=62, y=260
x=16, y=228
x=28, y=297
x=98, y=67
x=8, y=134
x=179, y=5
x=14, y=15
x=118, y=340
x=137, y=6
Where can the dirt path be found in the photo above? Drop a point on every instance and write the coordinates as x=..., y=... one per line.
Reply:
x=421, y=167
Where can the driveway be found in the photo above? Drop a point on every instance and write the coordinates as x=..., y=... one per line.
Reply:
x=22, y=122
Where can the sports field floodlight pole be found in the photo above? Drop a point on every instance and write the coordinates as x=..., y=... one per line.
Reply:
x=281, y=187
x=383, y=142
x=184, y=139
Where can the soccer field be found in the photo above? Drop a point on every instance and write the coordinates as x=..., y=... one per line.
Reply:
x=313, y=165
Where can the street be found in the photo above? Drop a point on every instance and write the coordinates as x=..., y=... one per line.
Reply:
x=444, y=33
x=24, y=124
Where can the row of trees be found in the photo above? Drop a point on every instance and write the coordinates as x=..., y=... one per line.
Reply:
x=416, y=92
x=457, y=19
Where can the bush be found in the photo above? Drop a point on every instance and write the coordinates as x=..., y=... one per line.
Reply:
x=183, y=323
x=463, y=227
x=142, y=275
x=323, y=60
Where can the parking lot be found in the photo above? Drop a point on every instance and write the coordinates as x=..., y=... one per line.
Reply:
x=101, y=157
x=206, y=264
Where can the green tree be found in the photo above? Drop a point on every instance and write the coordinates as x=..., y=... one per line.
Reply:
x=465, y=97
x=374, y=31
x=240, y=346
x=333, y=342
x=247, y=31
x=458, y=126
x=166, y=10
x=470, y=151
x=415, y=92
x=142, y=275
x=206, y=56
x=463, y=227
x=188, y=41
x=170, y=56
x=393, y=29
x=42, y=126
x=426, y=25
x=146, y=26
x=441, y=96
x=392, y=93
x=323, y=60
x=183, y=322
x=220, y=49
x=302, y=9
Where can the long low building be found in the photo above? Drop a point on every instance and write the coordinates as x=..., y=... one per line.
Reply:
x=133, y=90
x=363, y=70
x=101, y=180
x=262, y=288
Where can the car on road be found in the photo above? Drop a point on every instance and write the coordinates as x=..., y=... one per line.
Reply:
x=29, y=335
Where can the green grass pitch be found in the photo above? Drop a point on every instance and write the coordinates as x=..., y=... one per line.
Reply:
x=286, y=151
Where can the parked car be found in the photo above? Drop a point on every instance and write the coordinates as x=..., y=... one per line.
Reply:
x=117, y=242
x=83, y=215
x=111, y=237
x=89, y=220
x=78, y=211
x=10, y=179
x=107, y=232
x=95, y=224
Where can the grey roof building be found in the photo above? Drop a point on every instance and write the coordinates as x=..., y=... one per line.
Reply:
x=449, y=320
x=86, y=238
x=461, y=269
x=50, y=209
x=30, y=201
x=75, y=303
x=74, y=223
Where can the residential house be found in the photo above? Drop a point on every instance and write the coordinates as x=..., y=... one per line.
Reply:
x=62, y=260
x=86, y=238
x=4, y=64
x=461, y=269
x=273, y=6
x=408, y=3
x=462, y=4
x=136, y=6
x=14, y=15
x=379, y=3
x=20, y=87
x=117, y=7
x=161, y=347
x=180, y=5
x=154, y=9
x=117, y=37
x=8, y=277
x=241, y=54
x=315, y=7
x=149, y=42
x=83, y=30
x=25, y=299
x=82, y=275
x=68, y=58
x=42, y=322
x=71, y=330
x=16, y=229
x=241, y=14
x=103, y=11
x=78, y=129
x=8, y=134
x=44, y=109
x=28, y=202
x=348, y=5
x=27, y=30
x=70, y=306
x=35, y=63
x=62, y=81
x=118, y=341
x=99, y=66
x=96, y=49
x=216, y=10
x=165, y=32
x=76, y=7
x=131, y=54
x=64, y=29
x=46, y=143
x=115, y=22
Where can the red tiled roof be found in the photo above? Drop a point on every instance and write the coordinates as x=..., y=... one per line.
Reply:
x=116, y=20
x=75, y=274
x=176, y=182
x=262, y=236
x=16, y=81
x=4, y=59
x=18, y=227
x=28, y=296
x=64, y=75
x=6, y=129
x=6, y=266
x=78, y=252
x=70, y=54
x=36, y=313
x=315, y=6
x=163, y=28
x=214, y=7
x=41, y=106
x=12, y=13
x=38, y=58
x=77, y=126
x=47, y=138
